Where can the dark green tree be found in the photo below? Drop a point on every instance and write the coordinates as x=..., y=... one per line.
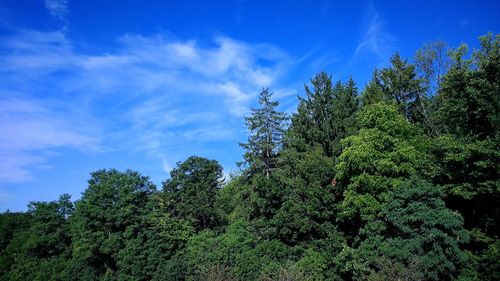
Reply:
x=373, y=92
x=160, y=237
x=324, y=117
x=110, y=213
x=467, y=157
x=266, y=126
x=470, y=92
x=10, y=224
x=191, y=191
x=304, y=201
x=417, y=231
x=400, y=84
x=40, y=252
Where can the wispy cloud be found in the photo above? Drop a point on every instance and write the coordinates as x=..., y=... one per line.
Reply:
x=376, y=40
x=5, y=197
x=152, y=94
x=29, y=129
x=57, y=8
x=466, y=22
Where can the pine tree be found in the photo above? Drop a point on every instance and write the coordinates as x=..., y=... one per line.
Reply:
x=400, y=84
x=267, y=126
x=324, y=117
x=311, y=125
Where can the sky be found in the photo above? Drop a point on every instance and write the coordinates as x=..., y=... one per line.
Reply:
x=141, y=85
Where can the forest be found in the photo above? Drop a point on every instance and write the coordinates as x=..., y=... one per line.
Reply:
x=397, y=180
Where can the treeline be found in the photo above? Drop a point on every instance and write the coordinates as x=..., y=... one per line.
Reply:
x=398, y=181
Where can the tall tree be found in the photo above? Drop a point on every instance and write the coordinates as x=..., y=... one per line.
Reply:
x=470, y=92
x=432, y=63
x=299, y=204
x=373, y=92
x=266, y=126
x=191, y=191
x=400, y=84
x=374, y=161
x=324, y=117
x=111, y=211
x=345, y=105
x=467, y=156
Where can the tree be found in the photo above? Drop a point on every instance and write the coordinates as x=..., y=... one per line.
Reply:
x=399, y=84
x=41, y=250
x=373, y=92
x=467, y=154
x=303, y=204
x=110, y=213
x=191, y=191
x=297, y=204
x=345, y=105
x=159, y=239
x=236, y=249
x=417, y=231
x=470, y=92
x=374, y=161
x=266, y=126
x=432, y=63
x=324, y=117
x=11, y=227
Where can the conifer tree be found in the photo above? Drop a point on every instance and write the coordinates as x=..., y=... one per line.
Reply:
x=325, y=116
x=266, y=126
x=400, y=84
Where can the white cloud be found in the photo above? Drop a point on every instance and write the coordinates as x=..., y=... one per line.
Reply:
x=376, y=39
x=57, y=8
x=29, y=130
x=154, y=94
x=466, y=22
x=5, y=197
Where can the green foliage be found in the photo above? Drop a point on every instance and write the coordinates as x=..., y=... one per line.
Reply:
x=432, y=63
x=325, y=116
x=306, y=197
x=312, y=265
x=374, y=162
x=300, y=200
x=39, y=252
x=373, y=92
x=160, y=237
x=470, y=92
x=191, y=191
x=266, y=126
x=416, y=231
x=407, y=188
x=110, y=213
x=468, y=156
x=237, y=248
x=398, y=84
x=12, y=225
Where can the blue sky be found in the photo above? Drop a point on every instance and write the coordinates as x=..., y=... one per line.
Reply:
x=124, y=84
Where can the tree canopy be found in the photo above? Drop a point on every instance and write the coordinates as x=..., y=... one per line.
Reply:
x=397, y=181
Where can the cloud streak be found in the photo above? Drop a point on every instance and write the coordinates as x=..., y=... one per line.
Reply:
x=375, y=39
x=57, y=8
x=153, y=94
x=29, y=130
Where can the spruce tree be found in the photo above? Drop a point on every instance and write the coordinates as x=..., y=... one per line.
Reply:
x=267, y=126
x=400, y=84
x=324, y=117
